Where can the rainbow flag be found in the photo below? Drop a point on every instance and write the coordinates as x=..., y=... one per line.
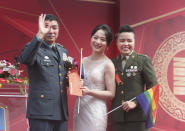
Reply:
x=148, y=100
x=81, y=66
x=2, y=119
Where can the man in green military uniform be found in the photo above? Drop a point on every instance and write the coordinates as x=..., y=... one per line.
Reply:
x=134, y=74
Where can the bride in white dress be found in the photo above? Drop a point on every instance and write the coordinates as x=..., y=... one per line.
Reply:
x=98, y=84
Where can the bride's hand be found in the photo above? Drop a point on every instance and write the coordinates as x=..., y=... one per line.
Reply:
x=85, y=90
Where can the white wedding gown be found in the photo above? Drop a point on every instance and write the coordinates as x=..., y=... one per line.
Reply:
x=92, y=111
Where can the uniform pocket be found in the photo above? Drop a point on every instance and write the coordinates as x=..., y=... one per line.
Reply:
x=41, y=103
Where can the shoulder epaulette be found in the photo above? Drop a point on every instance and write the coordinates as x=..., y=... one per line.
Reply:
x=142, y=55
x=59, y=45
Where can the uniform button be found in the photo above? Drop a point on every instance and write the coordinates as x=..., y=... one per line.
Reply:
x=121, y=83
x=122, y=73
x=60, y=82
x=41, y=96
x=61, y=91
x=47, y=64
x=59, y=66
x=122, y=92
x=60, y=74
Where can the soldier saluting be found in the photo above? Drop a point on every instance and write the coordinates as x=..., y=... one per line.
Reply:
x=47, y=108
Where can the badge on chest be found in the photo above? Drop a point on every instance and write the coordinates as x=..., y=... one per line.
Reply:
x=131, y=71
x=64, y=57
x=47, y=59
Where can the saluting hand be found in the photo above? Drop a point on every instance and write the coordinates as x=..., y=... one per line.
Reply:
x=42, y=27
x=128, y=105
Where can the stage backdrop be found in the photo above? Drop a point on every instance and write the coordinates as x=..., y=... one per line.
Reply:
x=160, y=34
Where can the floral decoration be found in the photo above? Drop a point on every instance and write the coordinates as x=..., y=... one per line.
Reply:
x=11, y=74
x=70, y=63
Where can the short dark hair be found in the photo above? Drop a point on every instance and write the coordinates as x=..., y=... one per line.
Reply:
x=51, y=17
x=106, y=29
x=124, y=28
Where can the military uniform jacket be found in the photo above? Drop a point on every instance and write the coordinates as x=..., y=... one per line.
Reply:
x=137, y=73
x=47, y=98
